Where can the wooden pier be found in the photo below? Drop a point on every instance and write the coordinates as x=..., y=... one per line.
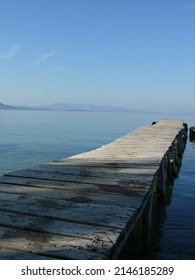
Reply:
x=85, y=206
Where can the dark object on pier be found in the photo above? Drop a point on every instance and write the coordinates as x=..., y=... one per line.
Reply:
x=153, y=123
x=192, y=134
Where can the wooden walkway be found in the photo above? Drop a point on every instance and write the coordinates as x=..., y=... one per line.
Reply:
x=85, y=206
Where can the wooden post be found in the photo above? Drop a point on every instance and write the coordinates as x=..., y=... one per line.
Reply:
x=180, y=145
x=145, y=225
x=172, y=164
x=161, y=185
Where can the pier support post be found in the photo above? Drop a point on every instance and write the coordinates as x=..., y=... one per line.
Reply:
x=179, y=144
x=145, y=225
x=172, y=169
x=161, y=185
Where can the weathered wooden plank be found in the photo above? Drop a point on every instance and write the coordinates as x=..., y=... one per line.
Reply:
x=106, y=180
x=84, y=216
x=33, y=245
x=67, y=192
x=96, y=171
x=115, y=198
x=79, y=163
x=96, y=208
x=23, y=181
x=59, y=227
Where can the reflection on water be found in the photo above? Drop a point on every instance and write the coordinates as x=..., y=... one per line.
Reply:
x=193, y=145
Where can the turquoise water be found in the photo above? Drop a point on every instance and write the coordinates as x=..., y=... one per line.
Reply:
x=29, y=138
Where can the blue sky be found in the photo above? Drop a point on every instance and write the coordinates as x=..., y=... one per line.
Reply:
x=136, y=54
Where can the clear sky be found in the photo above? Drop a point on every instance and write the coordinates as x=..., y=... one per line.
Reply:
x=130, y=53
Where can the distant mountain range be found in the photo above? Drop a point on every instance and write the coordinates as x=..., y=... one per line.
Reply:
x=69, y=107
x=6, y=107
x=9, y=107
x=85, y=107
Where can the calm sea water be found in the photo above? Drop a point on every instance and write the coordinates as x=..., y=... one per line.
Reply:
x=28, y=138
